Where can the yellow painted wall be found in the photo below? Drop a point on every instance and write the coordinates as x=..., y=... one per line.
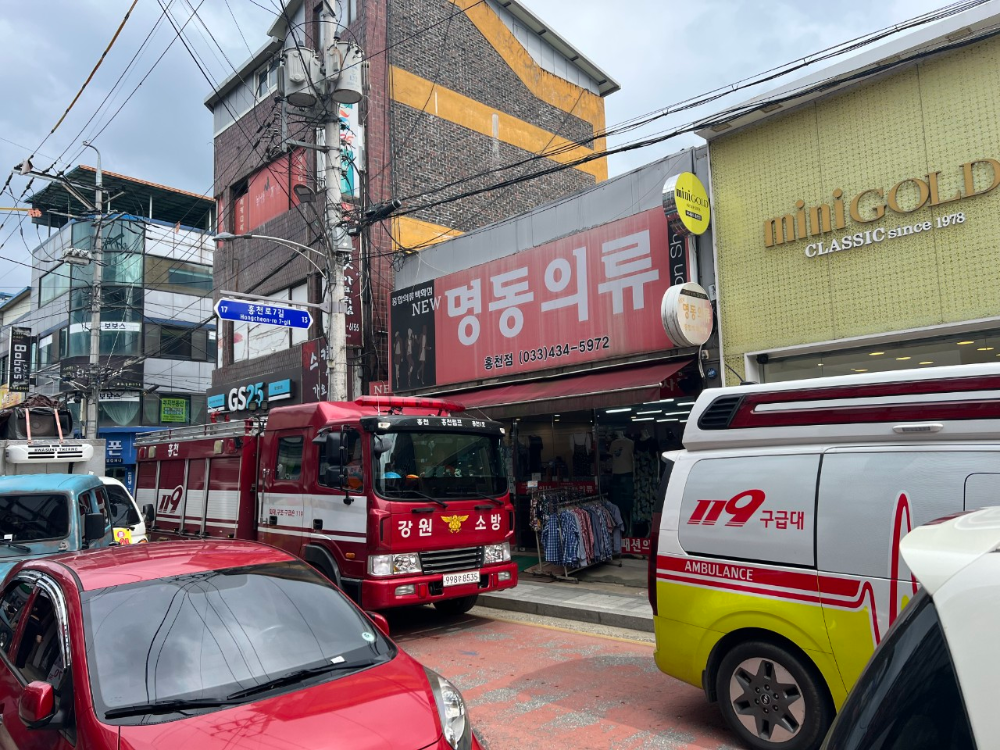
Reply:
x=937, y=116
x=449, y=105
x=412, y=234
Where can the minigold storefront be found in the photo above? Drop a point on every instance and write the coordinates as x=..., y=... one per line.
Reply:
x=556, y=323
x=859, y=231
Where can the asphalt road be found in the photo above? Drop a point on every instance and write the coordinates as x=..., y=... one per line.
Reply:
x=543, y=683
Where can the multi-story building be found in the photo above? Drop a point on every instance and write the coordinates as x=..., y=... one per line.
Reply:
x=157, y=338
x=455, y=89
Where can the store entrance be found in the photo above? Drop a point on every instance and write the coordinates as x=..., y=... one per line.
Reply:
x=612, y=452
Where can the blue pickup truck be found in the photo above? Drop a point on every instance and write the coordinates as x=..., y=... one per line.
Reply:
x=44, y=514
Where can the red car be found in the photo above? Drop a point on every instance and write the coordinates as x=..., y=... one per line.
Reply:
x=219, y=644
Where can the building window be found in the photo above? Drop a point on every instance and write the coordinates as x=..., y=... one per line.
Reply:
x=54, y=284
x=348, y=11
x=267, y=79
x=119, y=409
x=173, y=409
x=177, y=342
x=121, y=268
x=166, y=275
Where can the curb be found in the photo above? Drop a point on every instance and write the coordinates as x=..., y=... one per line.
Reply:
x=547, y=609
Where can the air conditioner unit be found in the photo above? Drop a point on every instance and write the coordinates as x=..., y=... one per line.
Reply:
x=302, y=74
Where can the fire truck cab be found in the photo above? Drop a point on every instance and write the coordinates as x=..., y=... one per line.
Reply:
x=394, y=499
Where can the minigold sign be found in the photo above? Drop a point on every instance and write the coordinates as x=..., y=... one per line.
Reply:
x=906, y=197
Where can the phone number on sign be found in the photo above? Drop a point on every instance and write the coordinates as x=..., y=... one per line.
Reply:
x=544, y=353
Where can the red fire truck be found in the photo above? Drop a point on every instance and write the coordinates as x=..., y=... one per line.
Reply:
x=394, y=499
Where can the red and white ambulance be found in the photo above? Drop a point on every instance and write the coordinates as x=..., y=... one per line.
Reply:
x=399, y=501
x=776, y=567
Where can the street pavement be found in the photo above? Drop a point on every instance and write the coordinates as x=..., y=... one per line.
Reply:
x=537, y=682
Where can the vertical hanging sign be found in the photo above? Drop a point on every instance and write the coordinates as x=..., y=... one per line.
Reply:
x=19, y=357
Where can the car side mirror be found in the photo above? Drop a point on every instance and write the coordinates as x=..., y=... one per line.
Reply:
x=149, y=515
x=38, y=704
x=380, y=622
x=94, y=526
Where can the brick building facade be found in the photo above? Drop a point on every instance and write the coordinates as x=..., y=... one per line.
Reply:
x=456, y=88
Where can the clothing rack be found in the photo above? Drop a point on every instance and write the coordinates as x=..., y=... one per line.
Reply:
x=547, y=507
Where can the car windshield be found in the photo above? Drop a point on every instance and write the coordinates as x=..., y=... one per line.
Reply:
x=416, y=465
x=122, y=509
x=33, y=517
x=211, y=635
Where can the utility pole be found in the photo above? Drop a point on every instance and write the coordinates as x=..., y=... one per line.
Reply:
x=336, y=357
x=95, y=304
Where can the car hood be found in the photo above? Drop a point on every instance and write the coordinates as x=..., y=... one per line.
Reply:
x=386, y=707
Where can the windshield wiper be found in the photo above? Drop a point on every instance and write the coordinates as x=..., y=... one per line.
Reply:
x=168, y=706
x=14, y=545
x=418, y=493
x=476, y=493
x=298, y=676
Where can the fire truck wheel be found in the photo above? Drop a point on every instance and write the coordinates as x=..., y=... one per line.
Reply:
x=772, y=698
x=456, y=606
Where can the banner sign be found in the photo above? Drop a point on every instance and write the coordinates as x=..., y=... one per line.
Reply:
x=19, y=357
x=587, y=297
x=173, y=410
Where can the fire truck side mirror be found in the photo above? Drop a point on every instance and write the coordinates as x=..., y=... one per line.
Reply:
x=336, y=459
x=149, y=515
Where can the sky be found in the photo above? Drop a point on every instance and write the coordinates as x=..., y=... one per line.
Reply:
x=659, y=51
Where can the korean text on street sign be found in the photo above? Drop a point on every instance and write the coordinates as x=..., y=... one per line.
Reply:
x=262, y=312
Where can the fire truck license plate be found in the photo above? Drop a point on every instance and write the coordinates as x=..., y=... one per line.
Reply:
x=454, y=579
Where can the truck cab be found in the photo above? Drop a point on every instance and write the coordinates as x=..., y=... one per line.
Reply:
x=399, y=501
x=46, y=514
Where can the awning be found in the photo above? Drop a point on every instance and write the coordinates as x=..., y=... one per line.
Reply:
x=619, y=386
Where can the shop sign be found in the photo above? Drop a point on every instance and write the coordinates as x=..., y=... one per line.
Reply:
x=352, y=299
x=977, y=177
x=685, y=201
x=253, y=396
x=173, y=410
x=379, y=388
x=8, y=399
x=113, y=452
x=635, y=546
x=19, y=356
x=119, y=396
x=584, y=298
x=686, y=312
x=314, y=370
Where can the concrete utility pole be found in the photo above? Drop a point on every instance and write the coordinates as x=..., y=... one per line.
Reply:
x=95, y=304
x=336, y=358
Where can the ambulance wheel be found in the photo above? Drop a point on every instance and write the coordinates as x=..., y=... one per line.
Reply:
x=772, y=699
x=456, y=606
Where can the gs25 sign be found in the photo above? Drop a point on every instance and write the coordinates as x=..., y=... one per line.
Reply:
x=242, y=397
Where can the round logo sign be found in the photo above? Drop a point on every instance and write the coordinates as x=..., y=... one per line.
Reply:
x=685, y=198
x=686, y=312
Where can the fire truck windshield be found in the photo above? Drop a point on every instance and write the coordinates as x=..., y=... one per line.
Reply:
x=411, y=465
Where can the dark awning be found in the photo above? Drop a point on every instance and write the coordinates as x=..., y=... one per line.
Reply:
x=619, y=386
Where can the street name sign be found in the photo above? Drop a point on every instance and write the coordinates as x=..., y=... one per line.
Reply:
x=267, y=313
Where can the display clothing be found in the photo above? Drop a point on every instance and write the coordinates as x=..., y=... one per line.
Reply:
x=581, y=444
x=623, y=495
x=622, y=450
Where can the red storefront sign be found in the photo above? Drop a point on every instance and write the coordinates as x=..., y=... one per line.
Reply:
x=587, y=297
x=268, y=193
x=314, y=376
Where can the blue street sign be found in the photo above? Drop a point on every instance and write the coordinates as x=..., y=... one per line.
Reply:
x=268, y=313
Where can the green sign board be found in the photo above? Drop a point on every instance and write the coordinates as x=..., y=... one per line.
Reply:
x=173, y=410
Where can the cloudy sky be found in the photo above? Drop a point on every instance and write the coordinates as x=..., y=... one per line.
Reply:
x=660, y=51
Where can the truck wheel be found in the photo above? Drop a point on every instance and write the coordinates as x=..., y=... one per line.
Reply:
x=456, y=606
x=771, y=699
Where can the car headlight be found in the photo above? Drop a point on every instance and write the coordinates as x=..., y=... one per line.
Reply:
x=394, y=565
x=451, y=709
x=497, y=553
